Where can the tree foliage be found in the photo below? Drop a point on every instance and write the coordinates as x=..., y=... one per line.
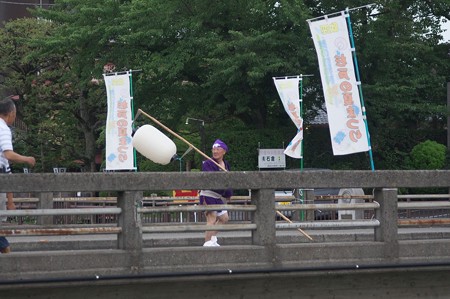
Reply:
x=428, y=155
x=21, y=68
x=215, y=61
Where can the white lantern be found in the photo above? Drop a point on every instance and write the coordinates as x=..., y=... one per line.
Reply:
x=154, y=145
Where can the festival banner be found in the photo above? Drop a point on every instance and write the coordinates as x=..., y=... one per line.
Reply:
x=119, y=149
x=288, y=90
x=340, y=87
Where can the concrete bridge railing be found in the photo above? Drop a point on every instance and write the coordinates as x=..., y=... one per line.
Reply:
x=132, y=257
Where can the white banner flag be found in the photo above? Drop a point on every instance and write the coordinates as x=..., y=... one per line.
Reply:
x=341, y=92
x=119, y=149
x=289, y=95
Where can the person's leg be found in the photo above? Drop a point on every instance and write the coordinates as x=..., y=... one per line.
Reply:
x=222, y=218
x=211, y=219
x=4, y=244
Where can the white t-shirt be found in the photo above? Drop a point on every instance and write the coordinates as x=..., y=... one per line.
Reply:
x=5, y=142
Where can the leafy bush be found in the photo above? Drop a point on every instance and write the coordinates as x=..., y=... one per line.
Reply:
x=427, y=155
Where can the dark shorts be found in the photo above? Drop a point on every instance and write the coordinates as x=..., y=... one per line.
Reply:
x=206, y=200
x=3, y=243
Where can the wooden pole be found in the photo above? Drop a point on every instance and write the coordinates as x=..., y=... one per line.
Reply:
x=181, y=138
x=299, y=229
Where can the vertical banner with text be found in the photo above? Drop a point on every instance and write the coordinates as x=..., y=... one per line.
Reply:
x=288, y=90
x=119, y=149
x=340, y=87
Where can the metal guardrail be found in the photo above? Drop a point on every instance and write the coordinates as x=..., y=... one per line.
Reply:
x=60, y=231
x=198, y=228
x=198, y=208
x=60, y=212
x=331, y=224
x=18, y=231
x=341, y=206
x=424, y=205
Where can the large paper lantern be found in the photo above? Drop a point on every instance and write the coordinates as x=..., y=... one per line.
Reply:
x=154, y=145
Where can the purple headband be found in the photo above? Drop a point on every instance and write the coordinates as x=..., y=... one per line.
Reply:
x=220, y=143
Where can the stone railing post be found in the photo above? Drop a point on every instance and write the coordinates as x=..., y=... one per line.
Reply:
x=387, y=214
x=264, y=217
x=296, y=214
x=45, y=202
x=129, y=220
x=308, y=198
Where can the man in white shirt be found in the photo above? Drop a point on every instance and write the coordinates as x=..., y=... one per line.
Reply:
x=7, y=154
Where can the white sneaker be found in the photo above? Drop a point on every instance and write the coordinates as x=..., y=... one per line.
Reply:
x=214, y=240
x=209, y=244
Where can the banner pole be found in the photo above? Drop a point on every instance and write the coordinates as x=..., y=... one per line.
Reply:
x=358, y=80
x=339, y=12
x=301, y=196
x=132, y=116
x=301, y=116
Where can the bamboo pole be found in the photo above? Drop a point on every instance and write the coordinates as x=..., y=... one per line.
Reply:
x=299, y=229
x=182, y=139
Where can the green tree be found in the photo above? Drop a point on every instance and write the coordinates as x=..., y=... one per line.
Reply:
x=218, y=59
x=40, y=136
x=215, y=61
x=428, y=155
x=84, y=35
x=405, y=71
x=61, y=111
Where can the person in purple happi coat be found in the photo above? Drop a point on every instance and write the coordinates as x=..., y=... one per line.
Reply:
x=215, y=197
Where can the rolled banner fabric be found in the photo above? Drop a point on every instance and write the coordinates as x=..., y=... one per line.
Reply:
x=289, y=94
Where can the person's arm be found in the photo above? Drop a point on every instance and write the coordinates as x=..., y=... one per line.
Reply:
x=15, y=157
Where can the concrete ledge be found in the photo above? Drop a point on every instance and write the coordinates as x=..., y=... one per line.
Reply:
x=327, y=283
x=91, y=242
x=73, y=182
x=92, y=263
x=29, y=265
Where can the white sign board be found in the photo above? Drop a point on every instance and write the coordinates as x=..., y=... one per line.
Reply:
x=271, y=158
